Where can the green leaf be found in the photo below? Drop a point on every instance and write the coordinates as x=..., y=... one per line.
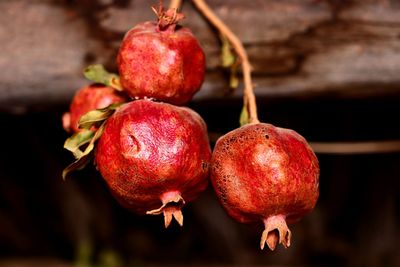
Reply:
x=85, y=156
x=74, y=143
x=233, y=79
x=229, y=60
x=97, y=117
x=77, y=140
x=227, y=57
x=99, y=74
x=244, y=116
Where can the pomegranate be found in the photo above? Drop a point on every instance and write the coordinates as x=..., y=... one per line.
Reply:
x=154, y=157
x=91, y=97
x=263, y=173
x=161, y=60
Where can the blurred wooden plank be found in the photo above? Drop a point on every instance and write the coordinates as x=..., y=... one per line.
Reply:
x=304, y=48
x=34, y=263
x=378, y=11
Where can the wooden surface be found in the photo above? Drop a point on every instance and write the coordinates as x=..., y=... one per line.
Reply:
x=299, y=48
x=34, y=263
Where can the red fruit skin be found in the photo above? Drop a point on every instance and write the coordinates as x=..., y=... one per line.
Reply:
x=260, y=171
x=149, y=150
x=167, y=65
x=91, y=97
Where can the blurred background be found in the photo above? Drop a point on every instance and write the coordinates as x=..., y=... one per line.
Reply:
x=329, y=69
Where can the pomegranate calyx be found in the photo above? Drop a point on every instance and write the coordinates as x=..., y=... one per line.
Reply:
x=171, y=208
x=167, y=19
x=276, y=232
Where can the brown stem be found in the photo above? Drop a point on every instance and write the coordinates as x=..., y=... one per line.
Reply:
x=249, y=99
x=175, y=4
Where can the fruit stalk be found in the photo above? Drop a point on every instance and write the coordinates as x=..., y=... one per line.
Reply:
x=249, y=100
x=176, y=4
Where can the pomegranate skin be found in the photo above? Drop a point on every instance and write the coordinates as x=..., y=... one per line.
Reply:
x=263, y=173
x=91, y=97
x=167, y=65
x=155, y=157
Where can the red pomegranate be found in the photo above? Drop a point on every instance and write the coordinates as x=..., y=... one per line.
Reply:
x=263, y=173
x=161, y=60
x=91, y=97
x=154, y=157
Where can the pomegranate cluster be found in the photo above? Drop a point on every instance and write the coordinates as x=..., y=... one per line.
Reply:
x=154, y=156
x=154, y=153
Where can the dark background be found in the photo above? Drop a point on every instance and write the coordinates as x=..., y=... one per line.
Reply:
x=328, y=69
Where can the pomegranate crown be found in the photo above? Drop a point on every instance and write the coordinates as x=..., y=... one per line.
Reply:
x=167, y=19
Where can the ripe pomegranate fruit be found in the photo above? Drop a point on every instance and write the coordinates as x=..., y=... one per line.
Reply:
x=161, y=60
x=154, y=157
x=265, y=173
x=91, y=97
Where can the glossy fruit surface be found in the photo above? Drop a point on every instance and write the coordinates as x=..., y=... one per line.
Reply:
x=91, y=97
x=154, y=157
x=165, y=63
x=263, y=173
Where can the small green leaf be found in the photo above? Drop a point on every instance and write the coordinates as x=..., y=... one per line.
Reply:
x=233, y=79
x=97, y=117
x=77, y=140
x=229, y=60
x=99, y=74
x=244, y=116
x=227, y=57
x=74, y=143
x=85, y=156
